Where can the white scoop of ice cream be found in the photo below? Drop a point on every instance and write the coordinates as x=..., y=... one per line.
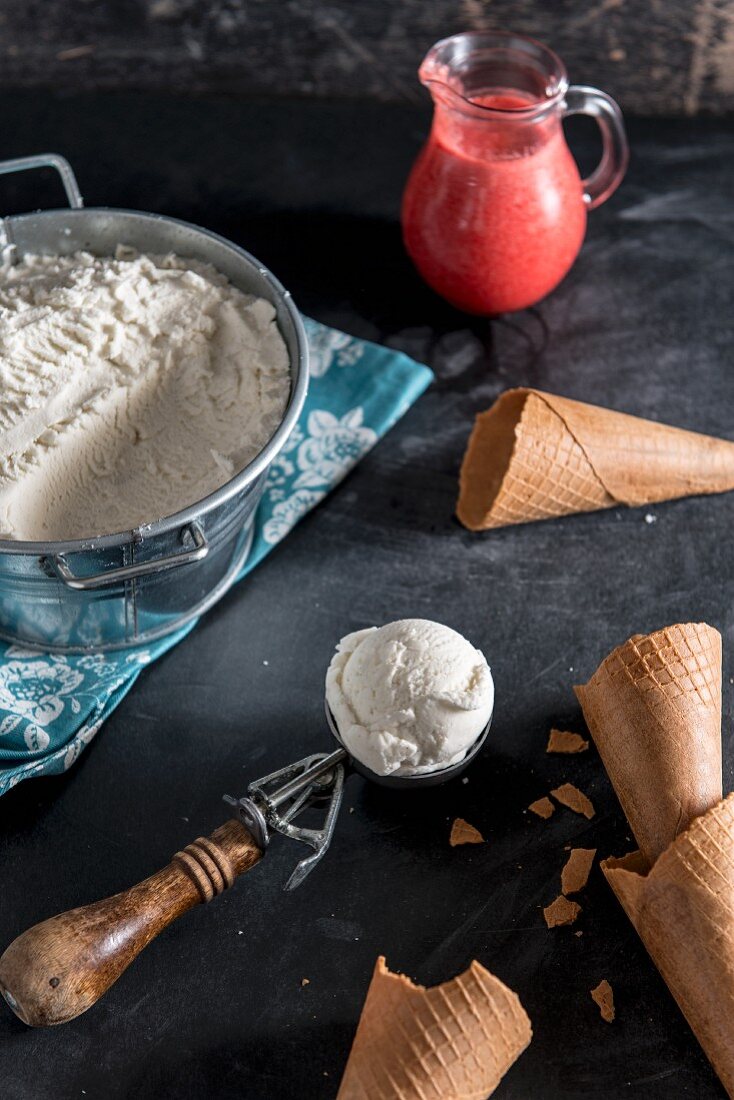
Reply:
x=411, y=696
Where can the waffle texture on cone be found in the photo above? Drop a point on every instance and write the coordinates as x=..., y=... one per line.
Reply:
x=654, y=710
x=452, y=1042
x=683, y=911
x=534, y=455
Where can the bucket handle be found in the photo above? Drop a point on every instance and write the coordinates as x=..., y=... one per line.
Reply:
x=48, y=160
x=199, y=550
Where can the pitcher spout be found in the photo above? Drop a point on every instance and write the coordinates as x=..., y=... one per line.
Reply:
x=490, y=74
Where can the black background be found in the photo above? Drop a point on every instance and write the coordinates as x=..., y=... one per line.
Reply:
x=215, y=1008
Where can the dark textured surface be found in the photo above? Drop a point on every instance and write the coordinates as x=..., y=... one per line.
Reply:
x=215, y=1008
x=672, y=57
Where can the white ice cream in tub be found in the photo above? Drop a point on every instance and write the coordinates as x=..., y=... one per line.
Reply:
x=132, y=387
x=110, y=589
x=410, y=697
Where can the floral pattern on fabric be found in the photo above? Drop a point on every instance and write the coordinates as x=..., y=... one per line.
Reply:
x=329, y=449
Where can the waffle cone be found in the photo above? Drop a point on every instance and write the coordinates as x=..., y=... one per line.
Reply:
x=453, y=1042
x=683, y=911
x=535, y=456
x=654, y=710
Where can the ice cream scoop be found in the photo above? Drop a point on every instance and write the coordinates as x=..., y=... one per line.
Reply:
x=58, y=969
x=409, y=697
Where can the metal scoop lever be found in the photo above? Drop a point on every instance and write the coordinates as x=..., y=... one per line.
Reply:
x=275, y=800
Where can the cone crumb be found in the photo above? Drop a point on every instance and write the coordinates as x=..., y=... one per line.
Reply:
x=543, y=807
x=603, y=996
x=305, y=981
x=577, y=869
x=561, y=911
x=464, y=833
x=566, y=742
x=574, y=799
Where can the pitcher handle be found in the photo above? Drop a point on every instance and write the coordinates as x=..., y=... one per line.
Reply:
x=609, y=173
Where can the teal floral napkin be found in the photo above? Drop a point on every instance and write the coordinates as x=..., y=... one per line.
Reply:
x=51, y=706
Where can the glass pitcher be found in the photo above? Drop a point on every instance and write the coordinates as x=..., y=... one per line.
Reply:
x=494, y=211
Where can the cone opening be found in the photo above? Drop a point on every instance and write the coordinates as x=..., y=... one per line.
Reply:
x=488, y=457
x=633, y=863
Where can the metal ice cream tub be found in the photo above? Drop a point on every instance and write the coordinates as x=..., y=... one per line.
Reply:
x=129, y=587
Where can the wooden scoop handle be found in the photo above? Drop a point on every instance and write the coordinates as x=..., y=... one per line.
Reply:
x=60, y=967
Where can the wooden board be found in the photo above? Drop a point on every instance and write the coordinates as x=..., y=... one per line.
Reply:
x=673, y=58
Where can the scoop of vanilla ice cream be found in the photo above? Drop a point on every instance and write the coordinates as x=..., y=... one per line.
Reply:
x=411, y=696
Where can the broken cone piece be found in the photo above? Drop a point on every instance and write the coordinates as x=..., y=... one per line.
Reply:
x=561, y=911
x=452, y=1042
x=574, y=799
x=603, y=996
x=683, y=911
x=464, y=833
x=575, y=874
x=654, y=710
x=543, y=807
x=566, y=742
x=534, y=455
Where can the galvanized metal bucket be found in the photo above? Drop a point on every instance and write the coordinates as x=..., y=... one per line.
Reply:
x=126, y=588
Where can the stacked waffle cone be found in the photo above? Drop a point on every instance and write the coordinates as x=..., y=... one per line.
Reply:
x=535, y=456
x=683, y=911
x=452, y=1042
x=654, y=710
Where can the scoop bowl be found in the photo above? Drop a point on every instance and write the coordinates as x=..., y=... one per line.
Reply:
x=409, y=782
